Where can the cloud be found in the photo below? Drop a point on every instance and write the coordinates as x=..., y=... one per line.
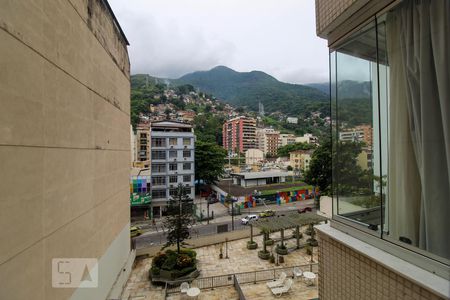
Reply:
x=169, y=38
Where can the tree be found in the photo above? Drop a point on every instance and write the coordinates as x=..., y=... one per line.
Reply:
x=209, y=161
x=284, y=150
x=179, y=218
x=319, y=172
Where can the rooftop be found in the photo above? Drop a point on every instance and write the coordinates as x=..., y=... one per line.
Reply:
x=255, y=175
x=237, y=190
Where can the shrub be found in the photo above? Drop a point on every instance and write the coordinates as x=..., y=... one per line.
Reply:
x=155, y=271
x=191, y=253
x=159, y=259
x=184, y=261
x=170, y=263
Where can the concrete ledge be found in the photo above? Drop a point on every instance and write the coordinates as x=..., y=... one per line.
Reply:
x=435, y=284
x=201, y=241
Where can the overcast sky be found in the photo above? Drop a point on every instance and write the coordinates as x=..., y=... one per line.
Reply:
x=169, y=38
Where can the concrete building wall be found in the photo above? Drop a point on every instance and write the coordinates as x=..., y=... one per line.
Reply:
x=64, y=144
x=347, y=274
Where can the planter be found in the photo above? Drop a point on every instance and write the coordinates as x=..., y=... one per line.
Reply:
x=272, y=259
x=269, y=242
x=264, y=255
x=313, y=242
x=281, y=259
x=281, y=251
x=252, y=246
x=294, y=235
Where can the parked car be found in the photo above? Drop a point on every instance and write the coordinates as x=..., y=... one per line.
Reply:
x=267, y=213
x=249, y=218
x=304, y=209
x=135, y=231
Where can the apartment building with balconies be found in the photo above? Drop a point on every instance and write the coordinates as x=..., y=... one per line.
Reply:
x=268, y=141
x=239, y=134
x=172, y=160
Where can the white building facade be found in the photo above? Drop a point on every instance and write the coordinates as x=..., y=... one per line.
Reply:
x=172, y=162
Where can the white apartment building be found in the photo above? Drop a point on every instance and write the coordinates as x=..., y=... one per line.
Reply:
x=307, y=138
x=172, y=161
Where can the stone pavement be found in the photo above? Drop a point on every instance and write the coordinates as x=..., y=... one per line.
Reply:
x=240, y=260
x=260, y=291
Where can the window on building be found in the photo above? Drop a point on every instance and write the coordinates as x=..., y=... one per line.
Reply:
x=159, y=194
x=173, y=192
x=158, y=154
x=173, y=167
x=173, y=179
x=173, y=141
x=186, y=153
x=186, y=178
x=158, y=142
x=158, y=168
x=186, y=141
x=143, y=135
x=173, y=154
x=186, y=166
x=158, y=180
x=402, y=194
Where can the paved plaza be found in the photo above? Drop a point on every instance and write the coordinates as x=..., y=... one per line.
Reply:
x=240, y=260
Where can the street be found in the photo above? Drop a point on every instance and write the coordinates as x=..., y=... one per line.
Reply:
x=154, y=235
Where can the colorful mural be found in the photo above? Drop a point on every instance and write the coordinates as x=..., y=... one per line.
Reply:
x=140, y=184
x=292, y=196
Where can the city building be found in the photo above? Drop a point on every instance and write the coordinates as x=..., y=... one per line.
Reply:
x=64, y=151
x=239, y=134
x=268, y=141
x=292, y=120
x=361, y=133
x=389, y=240
x=172, y=162
x=186, y=116
x=133, y=151
x=287, y=139
x=307, y=138
x=249, y=179
x=253, y=156
x=300, y=159
x=143, y=143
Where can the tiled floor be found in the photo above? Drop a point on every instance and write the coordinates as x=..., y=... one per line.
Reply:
x=299, y=291
x=223, y=293
x=240, y=260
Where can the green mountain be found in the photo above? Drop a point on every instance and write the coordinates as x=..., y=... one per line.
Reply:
x=249, y=88
x=348, y=89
